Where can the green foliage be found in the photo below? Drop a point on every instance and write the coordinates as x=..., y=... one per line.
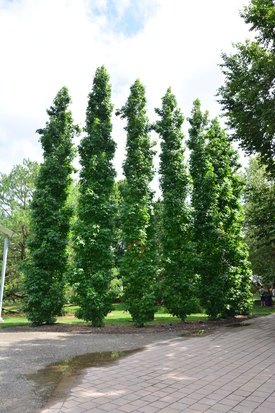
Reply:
x=119, y=243
x=230, y=251
x=218, y=218
x=260, y=221
x=247, y=95
x=201, y=172
x=178, y=280
x=50, y=216
x=116, y=289
x=16, y=189
x=94, y=228
x=260, y=14
x=138, y=264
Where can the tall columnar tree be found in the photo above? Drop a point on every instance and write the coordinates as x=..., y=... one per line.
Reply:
x=138, y=263
x=218, y=219
x=230, y=254
x=94, y=229
x=179, y=283
x=50, y=216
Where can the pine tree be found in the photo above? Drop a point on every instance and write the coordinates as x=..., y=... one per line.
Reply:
x=138, y=263
x=50, y=216
x=94, y=229
x=179, y=283
x=221, y=262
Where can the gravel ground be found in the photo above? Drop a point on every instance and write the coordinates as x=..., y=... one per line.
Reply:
x=25, y=352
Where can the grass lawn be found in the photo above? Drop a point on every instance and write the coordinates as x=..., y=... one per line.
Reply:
x=257, y=310
x=118, y=317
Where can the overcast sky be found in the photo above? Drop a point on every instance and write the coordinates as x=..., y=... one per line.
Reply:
x=46, y=44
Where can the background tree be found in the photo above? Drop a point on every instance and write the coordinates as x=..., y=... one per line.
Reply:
x=119, y=242
x=260, y=221
x=138, y=265
x=50, y=216
x=94, y=229
x=222, y=255
x=16, y=191
x=178, y=281
x=247, y=96
x=72, y=202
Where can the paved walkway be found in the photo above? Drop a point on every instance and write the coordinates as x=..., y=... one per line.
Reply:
x=232, y=370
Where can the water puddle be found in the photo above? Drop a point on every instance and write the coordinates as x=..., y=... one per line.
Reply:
x=239, y=325
x=196, y=333
x=53, y=382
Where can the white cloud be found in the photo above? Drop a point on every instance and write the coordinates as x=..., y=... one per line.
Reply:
x=46, y=44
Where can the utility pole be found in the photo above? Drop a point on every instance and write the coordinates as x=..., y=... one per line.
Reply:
x=8, y=234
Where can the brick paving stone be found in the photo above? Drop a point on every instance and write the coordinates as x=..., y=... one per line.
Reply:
x=262, y=409
x=229, y=402
x=235, y=397
x=243, y=409
x=128, y=408
x=52, y=410
x=208, y=401
x=232, y=370
x=200, y=406
x=249, y=403
x=148, y=409
x=172, y=410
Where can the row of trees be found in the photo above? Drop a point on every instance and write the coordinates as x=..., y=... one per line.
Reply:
x=16, y=189
x=188, y=247
x=198, y=254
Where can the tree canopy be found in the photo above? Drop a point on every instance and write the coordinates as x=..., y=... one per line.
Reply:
x=248, y=93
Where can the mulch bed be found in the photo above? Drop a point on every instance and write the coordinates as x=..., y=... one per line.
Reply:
x=189, y=329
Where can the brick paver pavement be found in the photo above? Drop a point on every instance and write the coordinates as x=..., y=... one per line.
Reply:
x=232, y=370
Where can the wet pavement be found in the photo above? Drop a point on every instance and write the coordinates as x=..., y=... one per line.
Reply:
x=231, y=370
x=35, y=364
x=54, y=381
